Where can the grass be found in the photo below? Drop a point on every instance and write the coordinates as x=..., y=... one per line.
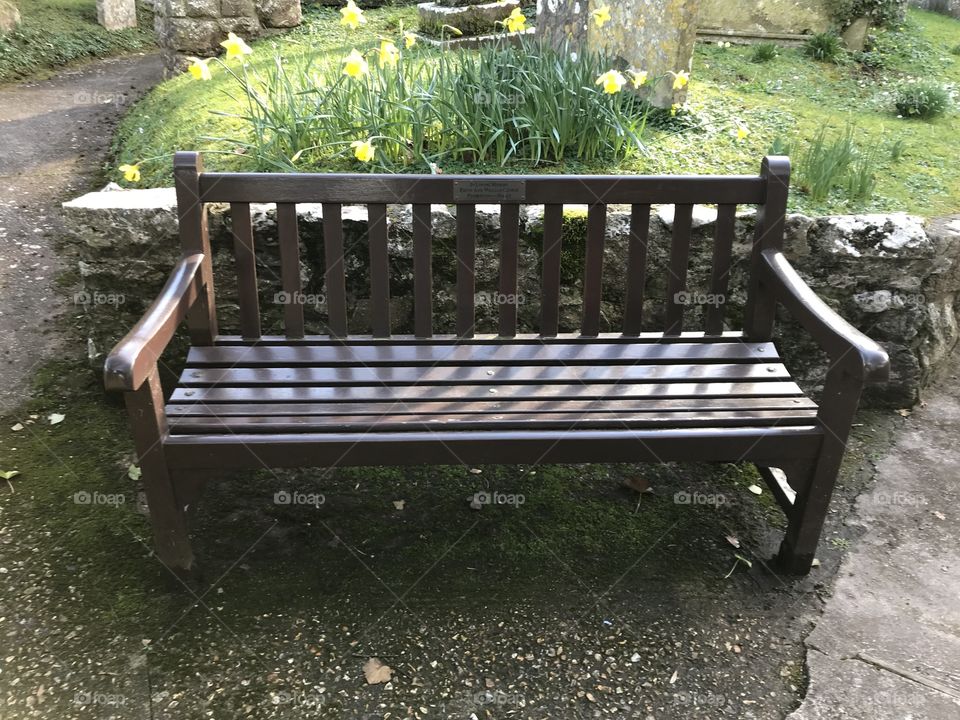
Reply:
x=788, y=99
x=57, y=32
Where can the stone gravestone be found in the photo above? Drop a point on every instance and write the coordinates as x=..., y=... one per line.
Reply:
x=9, y=16
x=117, y=14
x=652, y=35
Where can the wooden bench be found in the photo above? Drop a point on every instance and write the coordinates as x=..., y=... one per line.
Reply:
x=706, y=394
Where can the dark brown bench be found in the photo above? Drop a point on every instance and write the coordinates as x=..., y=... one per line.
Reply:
x=341, y=399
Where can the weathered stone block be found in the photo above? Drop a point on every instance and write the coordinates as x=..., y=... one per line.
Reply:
x=652, y=35
x=470, y=19
x=194, y=35
x=279, y=13
x=9, y=16
x=117, y=14
x=238, y=8
x=764, y=18
x=203, y=8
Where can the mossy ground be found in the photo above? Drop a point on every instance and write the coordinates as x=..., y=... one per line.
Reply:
x=56, y=32
x=782, y=102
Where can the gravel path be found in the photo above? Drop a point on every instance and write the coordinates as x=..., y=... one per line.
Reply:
x=55, y=136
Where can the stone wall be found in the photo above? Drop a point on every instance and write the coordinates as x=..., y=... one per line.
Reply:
x=197, y=27
x=766, y=17
x=946, y=7
x=893, y=276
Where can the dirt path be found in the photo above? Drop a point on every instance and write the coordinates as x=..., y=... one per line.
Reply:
x=54, y=136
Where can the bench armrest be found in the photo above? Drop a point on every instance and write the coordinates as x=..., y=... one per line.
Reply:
x=133, y=358
x=842, y=342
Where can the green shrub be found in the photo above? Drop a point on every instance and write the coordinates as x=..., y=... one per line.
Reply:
x=499, y=104
x=897, y=148
x=923, y=99
x=884, y=13
x=780, y=146
x=955, y=49
x=871, y=59
x=825, y=46
x=764, y=52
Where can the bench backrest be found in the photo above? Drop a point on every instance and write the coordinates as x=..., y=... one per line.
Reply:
x=195, y=188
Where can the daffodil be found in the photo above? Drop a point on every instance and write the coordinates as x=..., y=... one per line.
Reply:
x=409, y=40
x=675, y=108
x=363, y=150
x=612, y=81
x=742, y=133
x=131, y=173
x=352, y=16
x=639, y=78
x=199, y=68
x=389, y=55
x=517, y=21
x=235, y=47
x=680, y=79
x=601, y=16
x=354, y=65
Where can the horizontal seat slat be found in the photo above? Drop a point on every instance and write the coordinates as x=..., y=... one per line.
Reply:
x=486, y=339
x=419, y=375
x=771, y=445
x=524, y=354
x=636, y=406
x=481, y=392
x=486, y=421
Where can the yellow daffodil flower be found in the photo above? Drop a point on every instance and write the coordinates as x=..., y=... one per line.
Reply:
x=612, y=81
x=639, y=78
x=354, y=65
x=601, y=16
x=680, y=79
x=742, y=133
x=199, y=69
x=517, y=21
x=389, y=55
x=363, y=150
x=409, y=40
x=352, y=16
x=131, y=173
x=235, y=47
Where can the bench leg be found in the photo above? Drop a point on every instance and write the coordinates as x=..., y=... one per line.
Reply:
x=840, y=397
x=149, y=426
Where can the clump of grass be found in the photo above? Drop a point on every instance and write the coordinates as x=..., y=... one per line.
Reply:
x=764, y=52
x=923, y=99
x=955, y=49
x=862, y=178
x=826, y=47
x=780, y=146
x=871, y=59
x=825, y=163
x=897, y=148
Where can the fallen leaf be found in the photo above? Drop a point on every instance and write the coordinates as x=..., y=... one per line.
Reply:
x=9, y=474
x=939, y=515
x=638, y=484
x=398, y=504
x=133, y=472
x=56, y=418
x=376, y=672
x=815, y=563
x=17, y=428
x=904, y=412
x=733, y=541
x=755, y=489
x=673, y=678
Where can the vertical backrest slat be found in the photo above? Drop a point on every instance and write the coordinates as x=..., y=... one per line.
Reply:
x=679, y=260
x=719, y=281
x=195, y=238
x=335, y=281
x=758, y=314
x=379, y=270
x=422, y=271
x=550, y=293
x=290, y=269
x=593, y=269
x=466, y=270
x=246, y=263
x=509, y=242
x=636, y=269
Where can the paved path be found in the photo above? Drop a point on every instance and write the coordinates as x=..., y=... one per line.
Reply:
x=54, y=138
x=888, y=644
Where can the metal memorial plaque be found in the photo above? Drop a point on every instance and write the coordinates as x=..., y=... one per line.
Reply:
x=485, y=190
